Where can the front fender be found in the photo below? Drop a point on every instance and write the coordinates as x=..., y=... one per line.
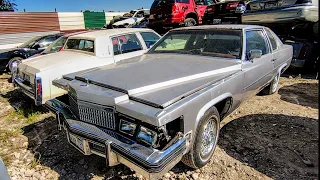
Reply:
x=210, y=104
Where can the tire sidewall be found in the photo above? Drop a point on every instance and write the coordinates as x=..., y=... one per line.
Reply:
x=198, y=161
x=274, y=84
x=189, y=22
x=13, y=60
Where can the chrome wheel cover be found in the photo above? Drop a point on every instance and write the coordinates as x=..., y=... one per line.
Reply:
x=208, y=138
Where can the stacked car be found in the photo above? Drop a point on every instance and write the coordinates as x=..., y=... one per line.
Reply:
x=27, y=49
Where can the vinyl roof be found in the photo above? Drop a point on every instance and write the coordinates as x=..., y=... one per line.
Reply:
x=109, y=32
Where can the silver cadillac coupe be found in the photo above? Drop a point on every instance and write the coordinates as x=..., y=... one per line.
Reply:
x=150, y=112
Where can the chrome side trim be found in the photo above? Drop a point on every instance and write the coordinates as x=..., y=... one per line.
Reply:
x=183, y=79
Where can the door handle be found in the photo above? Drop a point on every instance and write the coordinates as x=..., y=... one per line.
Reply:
x=273, y=60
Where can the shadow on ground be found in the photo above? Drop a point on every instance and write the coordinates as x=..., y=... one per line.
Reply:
x=51, y=145
x=305, y=74
x=304, y=94
x=279, y=146
x=22, y=103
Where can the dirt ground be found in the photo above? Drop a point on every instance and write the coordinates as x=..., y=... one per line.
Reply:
x=267, y=137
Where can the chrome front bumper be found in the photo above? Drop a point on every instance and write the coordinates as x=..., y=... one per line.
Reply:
x=116, y=148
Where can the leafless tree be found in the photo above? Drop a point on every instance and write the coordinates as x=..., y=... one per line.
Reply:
x=8, y=5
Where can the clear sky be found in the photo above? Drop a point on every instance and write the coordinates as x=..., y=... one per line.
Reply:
x=78, y=5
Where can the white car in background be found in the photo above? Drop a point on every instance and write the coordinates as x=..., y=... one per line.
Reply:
x=81, y=52
x=133, y=17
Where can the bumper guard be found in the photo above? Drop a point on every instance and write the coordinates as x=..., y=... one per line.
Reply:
x=149, y=162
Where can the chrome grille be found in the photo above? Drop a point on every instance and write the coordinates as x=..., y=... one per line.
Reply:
x=99, y=115
x=74, y=105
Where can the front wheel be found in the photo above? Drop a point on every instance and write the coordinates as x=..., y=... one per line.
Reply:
x=206, y=137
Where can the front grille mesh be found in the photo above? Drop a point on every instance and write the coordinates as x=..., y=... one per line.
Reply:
x=99, y=115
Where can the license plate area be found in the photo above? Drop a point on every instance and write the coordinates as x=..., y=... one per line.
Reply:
x=81, y=144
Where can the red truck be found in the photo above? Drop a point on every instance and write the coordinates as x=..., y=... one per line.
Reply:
x=173, y=13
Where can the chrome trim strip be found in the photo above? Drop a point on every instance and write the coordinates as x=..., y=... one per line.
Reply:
x=184, y=79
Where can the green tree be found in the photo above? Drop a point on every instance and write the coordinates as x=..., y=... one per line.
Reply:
x=87, y=10
x=8, y=5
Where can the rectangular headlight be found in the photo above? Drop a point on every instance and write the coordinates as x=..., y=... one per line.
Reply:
x=127, y=127
x=147, y=136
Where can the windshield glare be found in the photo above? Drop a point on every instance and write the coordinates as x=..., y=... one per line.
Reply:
x=218, y=43
x=55, y=46
x=80, y=44
x=29, y=43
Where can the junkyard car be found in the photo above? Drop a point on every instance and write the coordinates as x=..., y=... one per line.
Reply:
x=305, y=54
x=27, y=49
x=150, y=112
x=134, y=17
x=278, y=11
x=56, y=46
x=225, y=11
x=81, y=52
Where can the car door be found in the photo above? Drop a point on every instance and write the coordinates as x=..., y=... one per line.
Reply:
x=127, y=46
x=259, y=71
x=278, y=56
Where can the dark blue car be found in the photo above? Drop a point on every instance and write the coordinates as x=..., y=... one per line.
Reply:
x=34, y=46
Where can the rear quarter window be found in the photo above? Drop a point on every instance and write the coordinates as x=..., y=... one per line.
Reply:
x=125, y=44
x=80, y=44
x=149, y=38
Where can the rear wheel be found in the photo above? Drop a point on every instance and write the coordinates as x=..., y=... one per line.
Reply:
x=206, y=137
x=190, y=22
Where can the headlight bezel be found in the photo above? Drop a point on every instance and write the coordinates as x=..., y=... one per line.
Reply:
x=144, y=141
x=139, y=125
x=122, y=120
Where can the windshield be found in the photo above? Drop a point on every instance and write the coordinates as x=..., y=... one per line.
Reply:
x=29, y=43
x=55, y=46
x=216, y=42
x=80, y=44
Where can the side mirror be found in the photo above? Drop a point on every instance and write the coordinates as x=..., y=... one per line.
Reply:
x=254, y=53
